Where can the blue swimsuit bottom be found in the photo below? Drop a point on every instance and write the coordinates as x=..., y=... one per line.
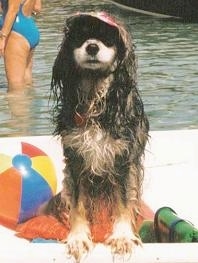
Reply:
x=25, y=26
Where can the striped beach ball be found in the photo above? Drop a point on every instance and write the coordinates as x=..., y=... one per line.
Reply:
x=27, y=181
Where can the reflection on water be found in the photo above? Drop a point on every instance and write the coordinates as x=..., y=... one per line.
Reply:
x=168, y=64
x=19, y=104
x=20, y=112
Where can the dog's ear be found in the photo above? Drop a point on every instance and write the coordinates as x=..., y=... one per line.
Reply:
x=63, y=78
x=63, y=81
x=127, y=60
x=60, y=68
x=125, y=93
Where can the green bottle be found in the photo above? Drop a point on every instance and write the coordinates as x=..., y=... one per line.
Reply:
x=147, y=232
x=171, y=228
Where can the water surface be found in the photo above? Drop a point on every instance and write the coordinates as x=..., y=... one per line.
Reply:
x=167, y=53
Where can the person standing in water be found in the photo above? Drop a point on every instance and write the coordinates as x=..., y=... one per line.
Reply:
x=19, y=35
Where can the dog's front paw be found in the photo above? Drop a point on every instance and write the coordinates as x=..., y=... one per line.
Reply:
x=78, y=244
x=122, y=240
x=122, y=244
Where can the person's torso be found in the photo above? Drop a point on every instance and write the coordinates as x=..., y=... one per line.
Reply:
x=26, y=6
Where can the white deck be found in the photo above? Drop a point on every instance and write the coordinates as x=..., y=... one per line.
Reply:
x=171, y=177
x=170, y=180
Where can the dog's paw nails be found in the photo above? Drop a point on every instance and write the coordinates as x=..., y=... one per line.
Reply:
x=123, y=244
x=78, y=244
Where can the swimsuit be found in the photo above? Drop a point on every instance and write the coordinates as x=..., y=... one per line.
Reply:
x=24, y=25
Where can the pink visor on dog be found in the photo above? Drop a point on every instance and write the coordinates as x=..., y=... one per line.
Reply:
x=103, y=16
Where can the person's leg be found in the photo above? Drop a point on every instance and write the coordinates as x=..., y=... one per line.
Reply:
x=28, y=70
x=16, y=60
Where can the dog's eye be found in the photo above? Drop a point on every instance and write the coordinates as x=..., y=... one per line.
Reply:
x=108, y=35
x=80, y=36
x=107, y=39
x=77, y=39
x=109, y=42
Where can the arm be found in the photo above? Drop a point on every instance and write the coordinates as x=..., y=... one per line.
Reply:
x=13, y=7
x=37, y=6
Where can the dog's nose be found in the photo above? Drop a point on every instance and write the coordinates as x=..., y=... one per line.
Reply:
x=92, y=49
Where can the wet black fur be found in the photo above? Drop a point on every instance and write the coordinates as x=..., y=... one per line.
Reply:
x=124, y=116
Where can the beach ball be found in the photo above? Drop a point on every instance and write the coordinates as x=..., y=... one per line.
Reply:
x=27, y=181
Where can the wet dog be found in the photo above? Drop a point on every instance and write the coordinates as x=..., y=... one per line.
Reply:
x=100, y=117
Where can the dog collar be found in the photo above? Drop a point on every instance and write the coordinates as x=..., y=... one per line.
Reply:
x=80, y=119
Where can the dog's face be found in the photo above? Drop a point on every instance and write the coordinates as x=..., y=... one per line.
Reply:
x=94, y=44
x=93, y=54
